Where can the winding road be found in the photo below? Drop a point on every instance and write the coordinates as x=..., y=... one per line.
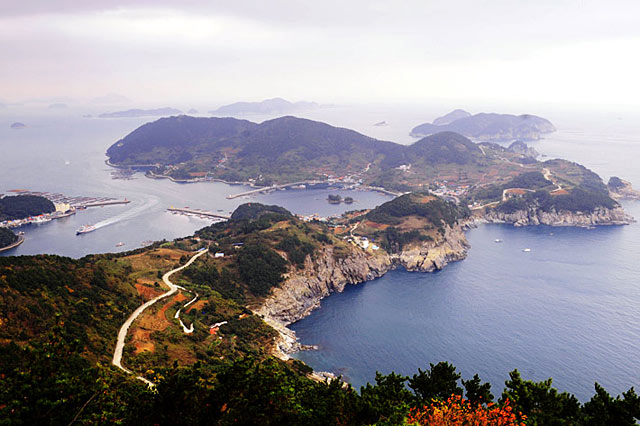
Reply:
x=122, y=335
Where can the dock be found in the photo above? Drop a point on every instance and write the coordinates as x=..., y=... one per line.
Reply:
x=312, y=182
x=274, y=188
x=199, y=212
x=106, y=203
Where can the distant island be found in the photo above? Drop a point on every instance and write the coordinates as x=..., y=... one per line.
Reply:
x=381, y=124
x=18, y=125
x=268, y=106
x=488, y=127
x=158, y=112
x=58, y=106
x=499, y=184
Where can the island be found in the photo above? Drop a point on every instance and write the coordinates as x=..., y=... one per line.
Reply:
x=268, y=106
x=58, y=106
x=210, y=328
x=18, y=125
x=488, y=127
x=290, y=151
x=158, y=112
x=620, y=189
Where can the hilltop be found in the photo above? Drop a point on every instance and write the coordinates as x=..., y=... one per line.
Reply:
x=488, y=126
x=268, y=106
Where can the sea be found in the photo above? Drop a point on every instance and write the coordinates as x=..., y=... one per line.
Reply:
x=568, y=309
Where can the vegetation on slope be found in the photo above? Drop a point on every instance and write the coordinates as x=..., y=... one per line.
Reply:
x=21, y=206
x=7, y=237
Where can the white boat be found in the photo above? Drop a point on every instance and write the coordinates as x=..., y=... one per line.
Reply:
x=526, y=250
x=497, y=240
x=85, y=228
x=120, y=244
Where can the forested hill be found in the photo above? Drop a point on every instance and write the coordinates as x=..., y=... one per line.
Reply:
x=21, y=206
x=282, y=150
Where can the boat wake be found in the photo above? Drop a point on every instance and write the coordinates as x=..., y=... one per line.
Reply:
x=126, y=215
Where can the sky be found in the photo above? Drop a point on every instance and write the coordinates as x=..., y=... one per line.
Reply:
x=553, y=51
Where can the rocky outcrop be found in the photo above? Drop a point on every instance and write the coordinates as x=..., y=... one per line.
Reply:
x=535, y=216
x=330, y=271
x=620, y=189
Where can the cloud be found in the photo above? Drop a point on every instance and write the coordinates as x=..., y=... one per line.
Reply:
x=559, y=50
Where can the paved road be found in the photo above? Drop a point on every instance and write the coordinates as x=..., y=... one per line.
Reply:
x=122, y=335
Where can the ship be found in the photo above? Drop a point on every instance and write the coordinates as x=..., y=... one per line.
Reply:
x=120, y=244
x=85, y=228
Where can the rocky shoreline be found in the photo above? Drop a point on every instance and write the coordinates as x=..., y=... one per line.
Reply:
x=533, y=216
x=329, y=272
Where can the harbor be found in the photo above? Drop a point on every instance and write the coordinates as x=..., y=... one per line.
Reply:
x=65, y=206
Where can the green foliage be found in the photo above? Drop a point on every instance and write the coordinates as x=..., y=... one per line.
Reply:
x=437, y=211
x=528, y=180
x=394, y=240
x=541, y=403
x=440, y=382
x=444, y=148
x=7, y=237
x=297, y=251
x=253, y=211
x=387, y=402
x=21, y=206
x=476, y=391
x=260, y=268
x=603, y=410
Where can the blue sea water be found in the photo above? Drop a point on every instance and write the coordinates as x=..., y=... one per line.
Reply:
x=569, y=309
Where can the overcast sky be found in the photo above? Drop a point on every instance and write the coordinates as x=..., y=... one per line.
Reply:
x=564, y=51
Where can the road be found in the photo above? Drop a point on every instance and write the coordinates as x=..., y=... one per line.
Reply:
x=122, y=335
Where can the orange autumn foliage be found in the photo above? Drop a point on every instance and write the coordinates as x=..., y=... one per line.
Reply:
x=457, y=411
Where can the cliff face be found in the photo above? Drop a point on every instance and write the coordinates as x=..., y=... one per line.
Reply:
x=328, y=272
x=534, y=216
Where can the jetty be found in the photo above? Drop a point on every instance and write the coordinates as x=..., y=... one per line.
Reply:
x=19, y=241
x=199, y=212
x=313, y=182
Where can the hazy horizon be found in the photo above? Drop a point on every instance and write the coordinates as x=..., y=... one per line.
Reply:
x=461, y=53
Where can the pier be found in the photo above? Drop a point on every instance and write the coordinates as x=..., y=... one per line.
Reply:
x=274, y=187
x=199, y=212
x=312, y=182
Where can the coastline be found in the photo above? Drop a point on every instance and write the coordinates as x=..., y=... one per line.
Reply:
x=13, y=245
x=303, y=291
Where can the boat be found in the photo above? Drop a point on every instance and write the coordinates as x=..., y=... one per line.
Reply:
x=85, y=228
x=526, y=250
x=120, y=244
x=497, y=240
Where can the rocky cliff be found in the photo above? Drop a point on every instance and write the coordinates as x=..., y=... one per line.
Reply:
x=620, y=189
x=534, y=216
x=329, y=271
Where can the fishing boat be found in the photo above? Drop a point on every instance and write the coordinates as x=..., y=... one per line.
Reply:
x=120, y=244
x=526, y=250
x=497, y=240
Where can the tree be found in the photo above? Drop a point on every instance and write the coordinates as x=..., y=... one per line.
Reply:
x=541, y=403
x=440, y=382
x=603, y=410
x=386, y=402
x=477, y=392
